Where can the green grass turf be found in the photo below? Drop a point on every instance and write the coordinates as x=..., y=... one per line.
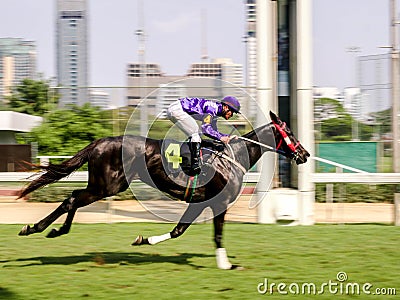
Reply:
x=97, y=262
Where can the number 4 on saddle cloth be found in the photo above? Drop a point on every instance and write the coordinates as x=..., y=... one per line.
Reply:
x=176, y=156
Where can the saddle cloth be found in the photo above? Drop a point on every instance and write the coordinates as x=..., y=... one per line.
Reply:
x=176, y=156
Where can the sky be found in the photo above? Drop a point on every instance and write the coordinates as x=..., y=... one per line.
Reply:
x=341, y=24
x=174, y=30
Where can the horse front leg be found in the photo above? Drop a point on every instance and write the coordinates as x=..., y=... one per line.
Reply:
x=188, y=217
x=220, y=252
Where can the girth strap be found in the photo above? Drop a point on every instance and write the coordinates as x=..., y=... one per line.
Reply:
x=190, y=187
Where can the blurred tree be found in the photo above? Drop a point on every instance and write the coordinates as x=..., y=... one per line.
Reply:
x=337, y=129
x=66, y=131
x=335, y=123
x=384, y=119
x=32, y=97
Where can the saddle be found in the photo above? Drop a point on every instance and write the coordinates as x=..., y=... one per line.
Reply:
x=176, y=155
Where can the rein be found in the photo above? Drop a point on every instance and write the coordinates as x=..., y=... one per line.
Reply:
x=261, y=144
x=228, y=158
x=284, y=137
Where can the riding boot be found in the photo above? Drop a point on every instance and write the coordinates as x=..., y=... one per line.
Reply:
x=195, y=158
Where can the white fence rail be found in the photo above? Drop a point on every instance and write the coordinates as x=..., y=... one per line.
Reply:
x=365, y=178
x=80, y=176
x=251, y=177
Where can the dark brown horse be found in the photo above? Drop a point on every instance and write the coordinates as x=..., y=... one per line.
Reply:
x=113, y=162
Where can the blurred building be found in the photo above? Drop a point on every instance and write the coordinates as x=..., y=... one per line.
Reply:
x=167, y=94
x=221, y=68
x=229, y=77
x=17, y=62
x=328, y=92
x=212, y=80
x=99, y=98
x=72, y=51
x=143, y=81
x=352, y=102
x=12, y=153
x=374, y=82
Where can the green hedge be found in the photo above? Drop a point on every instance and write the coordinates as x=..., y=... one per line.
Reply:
x=59, y=193
x=351, y=193
x=357, y=193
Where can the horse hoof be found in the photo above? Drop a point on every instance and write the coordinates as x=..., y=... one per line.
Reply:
x=25, y=230
x=236, y=267
x=53, y=233
x=138, y=241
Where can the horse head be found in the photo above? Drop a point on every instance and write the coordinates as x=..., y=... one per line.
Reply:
x=286, y=142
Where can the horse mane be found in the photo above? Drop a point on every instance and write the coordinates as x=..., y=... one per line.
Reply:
x=255, y=131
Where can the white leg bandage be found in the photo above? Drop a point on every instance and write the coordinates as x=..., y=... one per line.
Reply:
x=222, y=259
x=159, y=238
x=196, y=138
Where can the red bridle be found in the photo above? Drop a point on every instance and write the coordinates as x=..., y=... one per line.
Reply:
x=284, y=137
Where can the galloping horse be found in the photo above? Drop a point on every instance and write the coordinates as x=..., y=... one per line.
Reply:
x=113, y=162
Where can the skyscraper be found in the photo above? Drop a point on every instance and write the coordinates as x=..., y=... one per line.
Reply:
x=72, y=51
x=17, y=62
x=251, y=49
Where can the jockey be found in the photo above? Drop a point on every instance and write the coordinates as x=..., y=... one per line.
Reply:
x=185, y=111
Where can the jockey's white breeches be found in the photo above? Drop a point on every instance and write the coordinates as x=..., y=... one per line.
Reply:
x=184, y=121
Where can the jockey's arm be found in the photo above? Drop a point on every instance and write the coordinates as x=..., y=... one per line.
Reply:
x=227, y=138
x=209, y=129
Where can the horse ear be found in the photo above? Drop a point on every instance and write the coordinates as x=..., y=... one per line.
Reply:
x=274, y=117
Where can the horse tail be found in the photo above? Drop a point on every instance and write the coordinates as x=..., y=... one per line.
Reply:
x=54, y=172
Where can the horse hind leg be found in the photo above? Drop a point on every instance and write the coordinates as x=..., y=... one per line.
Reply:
x=65, y=228
x=79, y=198
x=152, y=240
x=47, y=221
